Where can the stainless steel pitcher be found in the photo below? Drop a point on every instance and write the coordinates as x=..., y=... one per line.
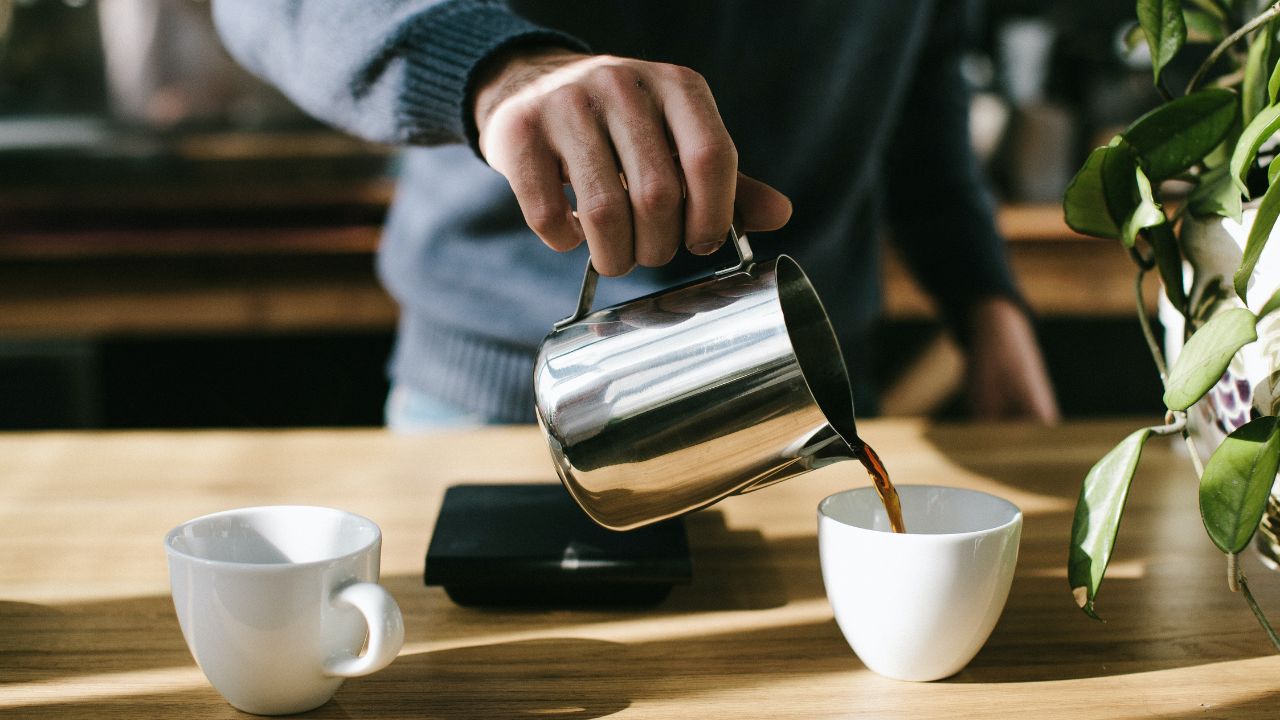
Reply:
x=670, y=402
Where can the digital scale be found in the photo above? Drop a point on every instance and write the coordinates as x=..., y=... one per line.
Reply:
x=521, y=545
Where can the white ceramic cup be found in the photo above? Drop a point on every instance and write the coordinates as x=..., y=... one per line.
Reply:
x=919, y=605
x=276, y=602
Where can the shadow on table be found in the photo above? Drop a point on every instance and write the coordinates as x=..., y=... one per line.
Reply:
x=1077, y=648
x=574, y=677
x=581, y=678
x=42, y=642
x=1172, y=581
x=1161, y=612
x=734, y=569
x=557, y=677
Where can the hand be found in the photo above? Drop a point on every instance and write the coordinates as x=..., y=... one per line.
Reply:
x=641, y=143
x=1006, y=374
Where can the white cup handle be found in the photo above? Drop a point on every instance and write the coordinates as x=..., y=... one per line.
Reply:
x=386, y=630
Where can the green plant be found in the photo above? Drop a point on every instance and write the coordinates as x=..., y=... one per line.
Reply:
x=1209, y=138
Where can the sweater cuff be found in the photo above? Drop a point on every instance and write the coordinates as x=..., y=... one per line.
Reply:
x=443, y=49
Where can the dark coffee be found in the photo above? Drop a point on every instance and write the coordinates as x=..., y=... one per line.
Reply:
x=884, y=488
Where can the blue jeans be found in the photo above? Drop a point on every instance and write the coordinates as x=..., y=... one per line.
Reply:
x=412, y=411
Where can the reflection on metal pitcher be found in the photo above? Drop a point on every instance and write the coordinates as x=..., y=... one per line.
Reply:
x=670, y=402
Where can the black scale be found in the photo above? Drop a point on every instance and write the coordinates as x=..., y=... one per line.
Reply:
x=522, y=545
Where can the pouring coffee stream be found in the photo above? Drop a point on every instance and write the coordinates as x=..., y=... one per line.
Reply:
x=884, y=487
x=673, y=401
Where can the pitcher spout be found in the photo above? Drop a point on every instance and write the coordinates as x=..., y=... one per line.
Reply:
x=821, y=449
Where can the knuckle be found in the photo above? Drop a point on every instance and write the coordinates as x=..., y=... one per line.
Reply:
x=510, y=129
x=686, y=76
x=712, y=158
x=656, y=197
x=524, y=125
x=571, y=97
x=603, y=209
x=617, y=78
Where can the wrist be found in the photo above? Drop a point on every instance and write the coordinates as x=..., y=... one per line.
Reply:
x=992, y=311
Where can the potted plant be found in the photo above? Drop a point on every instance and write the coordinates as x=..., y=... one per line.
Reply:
x=1207, y=138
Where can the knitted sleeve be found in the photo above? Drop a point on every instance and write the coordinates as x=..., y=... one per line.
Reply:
x=940, y=211
x=393, y=71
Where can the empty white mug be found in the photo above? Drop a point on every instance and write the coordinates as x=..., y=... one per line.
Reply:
x=276, y=603
x=918, y=605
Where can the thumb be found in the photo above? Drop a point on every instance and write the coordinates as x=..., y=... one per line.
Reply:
x=760, y=206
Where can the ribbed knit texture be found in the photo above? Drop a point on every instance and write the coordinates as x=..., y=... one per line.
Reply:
x=445, y=47
x=486, y=377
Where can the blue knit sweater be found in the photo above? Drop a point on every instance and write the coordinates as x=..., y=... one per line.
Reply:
x=855, y=109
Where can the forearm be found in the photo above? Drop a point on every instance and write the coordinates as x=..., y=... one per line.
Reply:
x=941, y=213
x=394, y=71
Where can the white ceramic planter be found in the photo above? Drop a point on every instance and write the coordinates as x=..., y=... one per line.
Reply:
x=1251, y=385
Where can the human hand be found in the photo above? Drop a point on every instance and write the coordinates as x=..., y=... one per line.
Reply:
x=641, y=143
x=1006, y=373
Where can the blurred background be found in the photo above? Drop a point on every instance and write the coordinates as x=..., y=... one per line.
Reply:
x=180, y=247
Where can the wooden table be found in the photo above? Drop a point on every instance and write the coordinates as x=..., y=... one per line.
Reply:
x=87, y=628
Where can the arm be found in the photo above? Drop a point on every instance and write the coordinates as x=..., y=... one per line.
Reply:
x=393, y=71
x=541, y=111
x=942, y=220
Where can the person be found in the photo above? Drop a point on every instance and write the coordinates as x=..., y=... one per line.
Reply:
x=635, y=131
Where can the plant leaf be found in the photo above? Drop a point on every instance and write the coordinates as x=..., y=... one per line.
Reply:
x=1206, y=355
x=1216, y=195
x=1097, y=518
x=1259, y=233
x=1258, y=131
x=1145, y=214
x=1237, y=480
x=1120, y=175
x=1110, y=196
x=1168, y=261
x=1086, y=206
x=1202, y=27
x=1253, y=92
x=1271, y=305
x=1273, y=85
x=1178, y=134
x=1163, y=24
x=1211, y=8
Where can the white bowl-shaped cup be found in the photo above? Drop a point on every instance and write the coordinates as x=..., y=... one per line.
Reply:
x=918, y=605
x=276, y=602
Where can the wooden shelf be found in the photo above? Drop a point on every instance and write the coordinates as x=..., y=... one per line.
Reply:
x=1038, y=222
x=295, y=269
x=1061, y=272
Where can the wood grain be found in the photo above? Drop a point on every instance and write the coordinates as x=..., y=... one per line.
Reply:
x=87, y=628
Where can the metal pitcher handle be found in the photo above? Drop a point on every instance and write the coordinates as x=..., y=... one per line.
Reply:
x=589, y=278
